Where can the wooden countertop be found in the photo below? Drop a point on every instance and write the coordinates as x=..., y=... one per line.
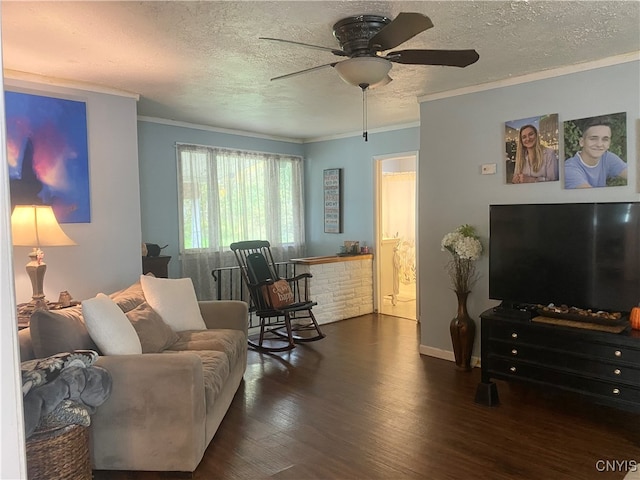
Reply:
x=330, y=259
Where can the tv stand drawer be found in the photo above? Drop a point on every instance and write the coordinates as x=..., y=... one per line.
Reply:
x=507, y=369
x=604, y=367
x=605, y=346
x=581, y=364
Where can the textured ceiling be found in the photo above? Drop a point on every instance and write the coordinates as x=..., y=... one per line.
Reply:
x=202, y=62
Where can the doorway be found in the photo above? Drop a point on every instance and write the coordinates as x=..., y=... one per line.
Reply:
x=396, y=242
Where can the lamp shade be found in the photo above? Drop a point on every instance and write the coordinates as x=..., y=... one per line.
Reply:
x=360, y=71
x=36, y=226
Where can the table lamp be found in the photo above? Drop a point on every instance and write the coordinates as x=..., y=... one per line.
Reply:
x=36, y=226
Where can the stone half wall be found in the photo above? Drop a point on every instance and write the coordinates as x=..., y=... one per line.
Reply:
x=343, y=289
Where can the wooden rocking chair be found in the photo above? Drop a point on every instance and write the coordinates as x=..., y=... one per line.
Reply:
x=282, y=305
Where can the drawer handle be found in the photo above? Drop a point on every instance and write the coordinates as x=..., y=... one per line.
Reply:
x=514, y=335
x=514, y=352
x=617, y=371
x=513, y=369
x=618, y=353
x=616, y=391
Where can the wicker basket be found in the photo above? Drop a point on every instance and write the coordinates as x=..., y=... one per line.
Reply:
x=59, y=454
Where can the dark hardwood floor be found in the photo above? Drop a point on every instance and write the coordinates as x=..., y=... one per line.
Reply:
x=364, y=404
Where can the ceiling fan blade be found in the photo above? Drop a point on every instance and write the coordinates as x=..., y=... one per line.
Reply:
x=305, y=71
x=335, y=51
x=449, y=58
x=402, y=28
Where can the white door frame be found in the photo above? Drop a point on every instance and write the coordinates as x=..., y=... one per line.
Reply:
x=13, y=460
x=377, y=227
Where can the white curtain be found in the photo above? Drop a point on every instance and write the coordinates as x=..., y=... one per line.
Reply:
x=228, y=196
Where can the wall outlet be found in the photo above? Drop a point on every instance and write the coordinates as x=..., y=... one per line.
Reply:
x=488, y=169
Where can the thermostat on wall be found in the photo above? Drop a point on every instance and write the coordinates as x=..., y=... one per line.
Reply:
x=488, y=169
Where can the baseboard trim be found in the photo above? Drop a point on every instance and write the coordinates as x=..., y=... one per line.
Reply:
x=444, y=354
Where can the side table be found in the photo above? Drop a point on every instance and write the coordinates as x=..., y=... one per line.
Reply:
x=159, y=266
x=25, y=310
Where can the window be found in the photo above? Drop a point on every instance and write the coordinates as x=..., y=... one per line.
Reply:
x=232, y=195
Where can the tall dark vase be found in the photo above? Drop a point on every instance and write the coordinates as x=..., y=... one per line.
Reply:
x=463, y=333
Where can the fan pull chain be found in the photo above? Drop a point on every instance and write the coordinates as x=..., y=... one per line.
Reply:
x=365, y=134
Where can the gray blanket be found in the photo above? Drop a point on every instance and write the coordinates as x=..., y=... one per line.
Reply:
x=71, y=396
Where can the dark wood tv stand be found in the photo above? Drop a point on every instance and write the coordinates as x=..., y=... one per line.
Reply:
x=603, y=367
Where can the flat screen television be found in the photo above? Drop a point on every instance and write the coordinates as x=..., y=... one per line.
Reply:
x=584, y=255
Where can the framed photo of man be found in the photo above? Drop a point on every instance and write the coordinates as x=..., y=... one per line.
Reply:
x=595, y=151
x=531, y=148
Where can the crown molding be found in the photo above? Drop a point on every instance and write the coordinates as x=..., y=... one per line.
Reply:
x=532, y=77
x=388, y=128
x=15, y=75
x=175, y=123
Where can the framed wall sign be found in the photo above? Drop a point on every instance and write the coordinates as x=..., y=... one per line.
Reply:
x=332, y=188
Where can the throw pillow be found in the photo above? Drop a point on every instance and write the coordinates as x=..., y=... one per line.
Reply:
x=175, y=301
x=109, y=326
x=128, y=298
x=155, y=335
x=59, y=331
x=278, y=295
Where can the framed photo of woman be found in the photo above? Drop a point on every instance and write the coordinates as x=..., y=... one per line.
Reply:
x=531, y=149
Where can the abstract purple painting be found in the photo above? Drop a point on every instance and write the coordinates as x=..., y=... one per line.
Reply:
x=48, y=155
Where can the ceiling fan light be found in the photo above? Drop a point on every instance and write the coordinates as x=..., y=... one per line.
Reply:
x=385, y=81
x=363, y=70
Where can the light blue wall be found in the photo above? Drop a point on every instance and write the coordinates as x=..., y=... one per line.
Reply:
x=460, y=133
x=159, y=181
x=356, y=158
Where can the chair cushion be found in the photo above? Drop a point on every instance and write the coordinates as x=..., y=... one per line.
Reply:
x=109, y=327
x=175, y=300
x=59, y=331
x=155, y=335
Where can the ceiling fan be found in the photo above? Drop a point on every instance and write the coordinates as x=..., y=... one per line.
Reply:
x=362, y=38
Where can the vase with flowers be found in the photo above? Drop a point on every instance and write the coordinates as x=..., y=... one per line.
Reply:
x=465, y=248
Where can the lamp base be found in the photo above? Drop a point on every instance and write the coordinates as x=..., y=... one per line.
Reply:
x=36, y=269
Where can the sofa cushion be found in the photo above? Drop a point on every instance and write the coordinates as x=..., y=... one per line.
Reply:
x=109, y=327
x=231, y=342
x=58, y=331
x=129, y=298
x=215, y=370
x=175, y=300
x=155, y=335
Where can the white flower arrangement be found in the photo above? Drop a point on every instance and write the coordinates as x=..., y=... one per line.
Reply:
x=465, y=247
